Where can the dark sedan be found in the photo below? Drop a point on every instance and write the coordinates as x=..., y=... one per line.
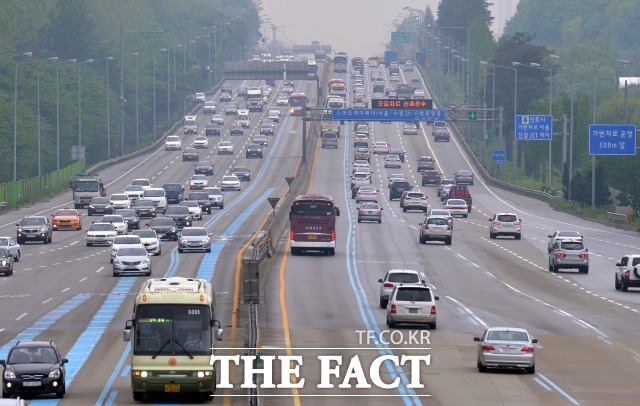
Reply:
x=165, y=228
x=202, y=198
x=99, y=205
x=204, y=168
x=242, y=172
x=398, y=151
x=254, y=151
x=236, y=129
x=179, y=214
x=212, y=129
x=130, y=216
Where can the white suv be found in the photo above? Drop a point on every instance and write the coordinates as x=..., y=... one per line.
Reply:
x=172, y=142
x=436, y=228
x=395, y=277
x=628, y=274
x=505, y=224
x=412, y=304
x=415, y=201
x=159, y=197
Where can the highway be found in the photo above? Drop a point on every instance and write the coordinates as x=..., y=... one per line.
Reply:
x=587, y=331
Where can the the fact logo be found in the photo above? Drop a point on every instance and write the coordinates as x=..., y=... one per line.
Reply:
x=331, y=371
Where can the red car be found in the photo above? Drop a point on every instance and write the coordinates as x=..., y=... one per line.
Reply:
x=190, y=154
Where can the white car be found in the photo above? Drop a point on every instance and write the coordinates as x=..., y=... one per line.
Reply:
x=457, y=207
x=134, y=192
x=394, y=77
x=410, y=129
x=159, y=197
x=392, y=161
x=120, y=224
x=380, y=147
x=412, y=304
x=195, y=211
x=200, y=98
x=209, y=107
x=172, y=142
x=274, y=115
x=230, y=182
x=282, y=100
x=200, y=142
x=120, y=201
x=145, y=183
x=225, y=147
x=198, y=182
x=150, y=241
x=124, y=240
x=101, y=233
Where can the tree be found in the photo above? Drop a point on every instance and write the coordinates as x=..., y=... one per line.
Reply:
x=463, y=13
x=70, y=32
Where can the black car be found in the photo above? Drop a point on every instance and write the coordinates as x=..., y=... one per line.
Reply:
x=179, y=214
x=430, y=177
x=267, y=128
x=145, y=208
x=6, y=262
x=34, y=368
x=261, y=140
x=398, y=151
x=34, y=228
x=99, y=205
x=212, y=129
x=254, y=151
x=165, y=228
x=202, y=198
x=236, y=129
x=242, y=172
x=174, y=192
x=225, y=97
x=130, y=216
x=204, y=168
x=395, y=192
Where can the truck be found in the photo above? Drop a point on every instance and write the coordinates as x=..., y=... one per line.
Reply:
x=404, y=91
x=461, y=192
x=390, y=56
x=327, y=125
x=254, y=99
x=85, y=187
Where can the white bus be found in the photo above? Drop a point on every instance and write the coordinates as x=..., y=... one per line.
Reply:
x=172, y=336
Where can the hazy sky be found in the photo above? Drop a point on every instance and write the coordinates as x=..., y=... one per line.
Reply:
x=359, y=27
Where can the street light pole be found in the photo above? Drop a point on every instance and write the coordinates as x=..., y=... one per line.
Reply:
x=538, y=66
x=168, y=91
x=80, y=104
x=593, y=157
x=15, y=116
x=110, y=58
x=137, y=103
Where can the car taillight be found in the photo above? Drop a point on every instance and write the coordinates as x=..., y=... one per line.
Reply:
x=626, y=274
x=433, y=310
x=496, y=222
x=488, y=348
x=361, y=211
x=375, y=193
x=359, y=192
x=388, y=285
x=423, y=198
x=448, y=226
x=583, y=255
x=393, y=308
x=527, y=349
x=561, y=254
x=292, y=234
x=516, y=223
x=379, y=212
x=426, y=226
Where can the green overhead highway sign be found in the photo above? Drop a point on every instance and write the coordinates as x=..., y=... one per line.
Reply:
x=400, y=37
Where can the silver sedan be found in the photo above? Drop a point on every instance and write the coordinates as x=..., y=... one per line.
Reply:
x=370, y=212
x=506, y=347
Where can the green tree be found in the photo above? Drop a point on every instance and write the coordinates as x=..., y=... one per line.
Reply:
x=463, y=13
x=71, y=32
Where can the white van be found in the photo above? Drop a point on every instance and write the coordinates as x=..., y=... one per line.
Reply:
x=190, y=125
x=243, y=118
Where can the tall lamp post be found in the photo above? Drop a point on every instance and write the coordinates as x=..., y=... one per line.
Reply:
x=548, y=69
x=624, y=62
x=155, y=122
x=58, y=112
x=168, y=91
x=110, y=58
x=15, y=114
x=493, y=94
x=137, y=103
x=53, y=58
x=80, y=104
x=515, y=111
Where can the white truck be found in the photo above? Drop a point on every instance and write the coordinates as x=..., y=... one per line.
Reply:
x=190, y=125
x=327, y=125
x=254, y=99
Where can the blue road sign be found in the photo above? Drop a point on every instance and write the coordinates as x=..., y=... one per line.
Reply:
x=534, y=127
x=612, y=139
x=387, y=115
x=499, y=156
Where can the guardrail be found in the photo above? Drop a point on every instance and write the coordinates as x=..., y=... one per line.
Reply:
x=3, y=205
x=617, y=217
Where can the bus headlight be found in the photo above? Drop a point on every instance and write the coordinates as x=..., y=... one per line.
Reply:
x=200, y=374
x=141, y=374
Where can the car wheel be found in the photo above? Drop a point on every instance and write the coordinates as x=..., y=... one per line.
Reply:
x=17, y=258
x=46, y=240
x=390, y=324
x=624, y=285
x=138, y=396
x=221, y=206
x=380, y=221
x=89, y=244
x=617, y=284
x=518, y=236
x=491, y=235
x=448, y=241
x=332, y=252
x=433, y=325
x=424, y=210
x=359, y=221
x=584, y=269
x=115, y=274
x=383, y=303
x=481, y=368
x=209, y=249
x=531, y=369
x=404, y=209
x=555, y=269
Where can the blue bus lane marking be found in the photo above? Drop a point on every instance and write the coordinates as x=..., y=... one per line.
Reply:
x=363, y=304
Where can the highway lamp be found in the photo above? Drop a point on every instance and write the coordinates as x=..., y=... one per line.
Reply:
x=53, y=58
x=209, y=65
x=593, y=157
x=80, y=103
x=168, y=91
x=548, y=69
x=175, y=86
x=15, y=114
x=137, y=102
x=515, y=113
x=493, y=94
x=624, y=62
x=110, y=58
x=58, y=113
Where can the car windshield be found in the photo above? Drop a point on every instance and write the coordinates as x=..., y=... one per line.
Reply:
x=132, y=252
x=4, y=242
x=507, y=336
x=127, y=239
x=198, y=196
x=144, y=233
x=414, y=295
x=189, y=204
x=162, y=222
x=100, y=200
x=573, y=234
x=572, y=245
x=126, y=212
x=194, y=232
x=66, y=213
x=370, y=206
x=33, y=221
x=229, y=178
x=403, y=277
x=134, y=188
x=198, y=177
x=213, y=191
x=141, y=182
x=154, y=193
x=119, y=197
x=507, y=218
x=438, y=221
x=30, y=355
x=203, y=164
x=176, y=210
x=143, y=203
x=101, y=227
x=457, y=202
x=173, y=138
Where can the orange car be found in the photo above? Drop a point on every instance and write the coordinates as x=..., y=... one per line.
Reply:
x=67, y=218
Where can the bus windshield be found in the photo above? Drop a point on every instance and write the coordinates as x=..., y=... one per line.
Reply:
x=312, y=208
x=172, y=330
x=298, y=100
x=86, y=186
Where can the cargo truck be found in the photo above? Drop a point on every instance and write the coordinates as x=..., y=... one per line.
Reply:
x=85, y=187
x=254, y=99
x=390, y=56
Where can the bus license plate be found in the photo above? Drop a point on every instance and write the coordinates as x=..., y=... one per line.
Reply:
x=313, y=237
x=413, y=310
x=171, y=387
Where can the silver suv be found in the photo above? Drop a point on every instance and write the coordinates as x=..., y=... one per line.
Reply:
x=505, y=224
x=569, y=253
x=415, y=201
x=436, y=228
x=412, y=304
x=628, y=275
x=394, y=277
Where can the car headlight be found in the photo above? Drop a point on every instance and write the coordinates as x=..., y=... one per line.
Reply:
x=19, y=230
x=186, y=218
x=4, y=262
x=8, y=374
x=183, y=241
x=206, y=240
x=173, y=230
x=91, y=207
x=55, y=374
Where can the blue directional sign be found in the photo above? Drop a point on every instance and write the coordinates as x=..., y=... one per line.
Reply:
x=388, y=115
x=534, y=127
x=499, y=156
x=612, y=139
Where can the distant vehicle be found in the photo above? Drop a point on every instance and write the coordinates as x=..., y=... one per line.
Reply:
x=190, y=125
x=298, y=103
x=209, y=107
x=172, y=142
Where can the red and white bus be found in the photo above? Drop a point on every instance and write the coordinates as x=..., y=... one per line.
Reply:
x=298, y=102
x=313, y=224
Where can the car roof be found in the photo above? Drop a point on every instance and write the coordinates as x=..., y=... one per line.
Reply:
x=404, y=271
x=522, y=330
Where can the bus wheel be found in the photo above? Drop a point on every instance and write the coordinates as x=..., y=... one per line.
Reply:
x=332, y=251
x=138, y=396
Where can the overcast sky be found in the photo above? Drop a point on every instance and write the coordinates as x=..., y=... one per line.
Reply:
x=359, y=27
